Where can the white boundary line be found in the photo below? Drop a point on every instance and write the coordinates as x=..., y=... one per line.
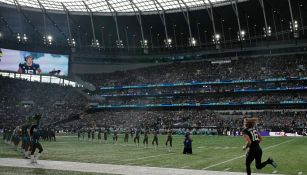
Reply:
x=238, y=157
x=108, y=168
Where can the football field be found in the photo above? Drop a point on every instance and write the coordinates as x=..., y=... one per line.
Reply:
x=218, y=153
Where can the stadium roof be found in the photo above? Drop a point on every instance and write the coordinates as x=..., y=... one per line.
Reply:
x=121, y=7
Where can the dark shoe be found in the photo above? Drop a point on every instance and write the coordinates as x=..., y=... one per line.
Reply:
x=272, y=162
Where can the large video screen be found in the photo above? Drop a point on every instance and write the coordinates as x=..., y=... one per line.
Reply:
x=33, y=62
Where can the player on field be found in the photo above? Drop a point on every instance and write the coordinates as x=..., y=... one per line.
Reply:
x=131, y=132
x=79, y=134
x=136, y=139
x=93, y=134
x=34, y=134
x=83, y=134
x=105, y=136
x=155, y=139
x=126, y=137
x=99, y=136
x=16, y=137
x=4, y=134
x=115, y=136
x=252, y=147
x=88, y=134
x=25, y=138
x=169, y=140
x=145, y=140
x=187, y=142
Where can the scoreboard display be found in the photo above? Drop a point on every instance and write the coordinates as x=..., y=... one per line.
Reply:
x=33, y=62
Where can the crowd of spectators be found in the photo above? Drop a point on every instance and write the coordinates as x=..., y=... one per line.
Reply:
x=203, y=71
x=277, y=121
x=20, y=99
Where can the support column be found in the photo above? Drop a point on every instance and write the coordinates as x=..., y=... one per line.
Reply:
x=139, y=18
x=114, y=15
x=19, y=9
x=301, y=18
x=92, y=24
x=187, y=18
x=162, y=17
x=294, y=27
x=236, y=11
x=248, y=31
x=50, y=19
x=211, y=15
x=264, y=17
x=291, y=14
x=274, y=22
x=68, y=25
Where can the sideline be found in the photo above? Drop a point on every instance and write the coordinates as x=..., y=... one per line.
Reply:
x=108, y=168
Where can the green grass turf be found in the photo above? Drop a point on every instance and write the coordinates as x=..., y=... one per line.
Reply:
x=207, y=150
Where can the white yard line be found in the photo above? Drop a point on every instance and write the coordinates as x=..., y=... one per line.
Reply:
x=238, y=157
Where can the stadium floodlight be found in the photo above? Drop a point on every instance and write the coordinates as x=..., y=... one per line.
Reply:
x=72, y=42
x=216, y=39
x=294, y=28
x=192, y=42
x=18, y=37
x=1, y=35
x=48, y=40
x=145, y=44
x=25, y=38
x=21, y=38
x=49, y=37
x=95, y=43
x=168, y=42
x=269, y=32
x=241, y=35
x=119, y=44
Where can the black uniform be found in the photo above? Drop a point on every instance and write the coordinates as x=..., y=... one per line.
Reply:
x=255, y=151
x=137, y=137
x=33, y=69
x=169, y=139
x=145, y=140
x=93, y=135
x=105, y=135
x=126, y=136
x=35, y=135
x=89, y=135
x=155, y=138
x=79, y=134
x=115, y=137
x=187, y=144
x=99, y=135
